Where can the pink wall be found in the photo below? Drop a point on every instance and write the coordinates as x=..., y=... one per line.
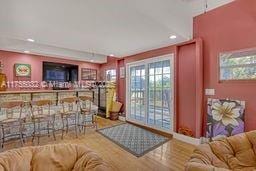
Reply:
x=230, y=27
x=186, y=107
x=186, y=57
x=8, y=59
x=189, y=86
x=149, y=54
x=121, y=84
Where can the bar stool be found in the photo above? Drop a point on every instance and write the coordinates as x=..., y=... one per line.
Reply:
x=68, y=112
x=12, y=121
x=89, y=116
x=42, y=115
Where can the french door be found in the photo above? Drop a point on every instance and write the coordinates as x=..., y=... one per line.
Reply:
x=150, y=92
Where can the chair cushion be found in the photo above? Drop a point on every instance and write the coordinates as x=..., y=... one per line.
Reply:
x=233, y=153
x=58, y=157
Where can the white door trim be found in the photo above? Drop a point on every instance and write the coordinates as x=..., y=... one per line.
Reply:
x=145, y=62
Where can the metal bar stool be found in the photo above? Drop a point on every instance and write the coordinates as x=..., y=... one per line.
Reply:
x=68, y=112
x=88, y=115
x=12, y=121
x=43, y=118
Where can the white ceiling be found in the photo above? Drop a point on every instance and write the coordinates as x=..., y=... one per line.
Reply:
x=72, y=28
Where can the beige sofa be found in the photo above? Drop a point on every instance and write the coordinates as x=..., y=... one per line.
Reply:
x=60, y=157
x=233, y=153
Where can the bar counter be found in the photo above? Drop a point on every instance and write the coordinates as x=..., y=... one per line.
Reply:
x=54, y=95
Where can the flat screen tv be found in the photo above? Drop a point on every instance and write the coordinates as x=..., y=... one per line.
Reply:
x=60, y=72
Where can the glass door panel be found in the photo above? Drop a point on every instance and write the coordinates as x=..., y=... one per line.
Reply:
x=137, y=92
x=151, y=93
x=159, y=94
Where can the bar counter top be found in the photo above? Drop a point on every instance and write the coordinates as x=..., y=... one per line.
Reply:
x=41, y=91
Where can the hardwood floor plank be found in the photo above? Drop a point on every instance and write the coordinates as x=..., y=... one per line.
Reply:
x=170, y=156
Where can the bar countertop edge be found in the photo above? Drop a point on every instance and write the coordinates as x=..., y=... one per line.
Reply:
x=41, y=91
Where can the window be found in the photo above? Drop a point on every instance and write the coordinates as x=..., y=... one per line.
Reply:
x=238, y=65
x=111, y=75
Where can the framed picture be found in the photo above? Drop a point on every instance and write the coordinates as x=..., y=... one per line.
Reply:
x=88, y=74
x=22, y=70
x=225, y=118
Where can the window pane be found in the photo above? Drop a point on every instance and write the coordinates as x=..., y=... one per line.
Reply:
x=132, y=71
x=158, y=81
x=238, y=65
x=151, y=69
x=151, y=81
x=132, y=103
x=158, y=67
x=158, y=98
x=166, y=80
x=238, y=73
x=166, y=67
x=111, y=75
x=142, y=80
x=137, y=72
x=151, y=97
x=143, y=72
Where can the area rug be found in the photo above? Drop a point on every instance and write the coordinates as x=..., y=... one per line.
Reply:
x=133, y=139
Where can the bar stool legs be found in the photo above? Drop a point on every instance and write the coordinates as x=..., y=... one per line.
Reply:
x=38, y=129
x=66, y=118
x=4, y=136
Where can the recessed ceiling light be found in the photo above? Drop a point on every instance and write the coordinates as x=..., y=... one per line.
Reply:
x=26, y=51
x=91, y=60
x=30, y=40
x=173, y=37
x=112, y=55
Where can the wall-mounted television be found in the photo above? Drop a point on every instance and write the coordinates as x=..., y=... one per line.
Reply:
x=59, y=72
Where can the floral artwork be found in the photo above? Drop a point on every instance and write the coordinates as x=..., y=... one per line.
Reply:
x=225, y=118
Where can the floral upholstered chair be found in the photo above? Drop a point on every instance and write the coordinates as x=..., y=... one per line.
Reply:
x=225, y=118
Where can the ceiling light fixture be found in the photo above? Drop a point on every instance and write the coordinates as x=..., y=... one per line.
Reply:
x=91, y=60
x=31, y=40
x=111, y=55
x=173, y=37
x=26, y=51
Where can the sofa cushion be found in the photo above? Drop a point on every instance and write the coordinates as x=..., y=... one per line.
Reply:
x=18, y=159
x=233, y=153
x=90, y=161
x=60, y=157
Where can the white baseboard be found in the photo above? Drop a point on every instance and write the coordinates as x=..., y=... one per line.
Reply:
x=122, y=118
x=187, y=139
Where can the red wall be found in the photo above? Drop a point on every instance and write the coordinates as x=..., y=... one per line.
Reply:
x=8, y=59
x=121, y=85
x=150, y=54
x=186, y=61
x=230, y=27
x=186, y=107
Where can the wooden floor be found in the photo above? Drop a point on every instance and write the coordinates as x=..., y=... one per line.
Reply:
x=170, y=156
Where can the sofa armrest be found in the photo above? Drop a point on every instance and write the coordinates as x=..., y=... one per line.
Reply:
x=197, y=166
x=204, y=159
x=91, y=161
